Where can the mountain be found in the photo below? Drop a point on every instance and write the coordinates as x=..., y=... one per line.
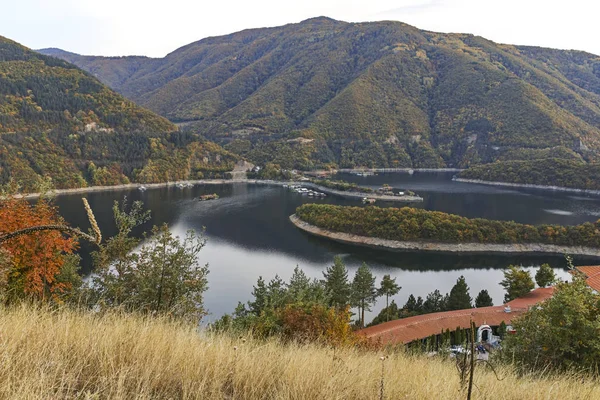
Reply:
x=381, y=94
x=59, y=122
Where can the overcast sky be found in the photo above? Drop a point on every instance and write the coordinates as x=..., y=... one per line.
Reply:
x=157, y=27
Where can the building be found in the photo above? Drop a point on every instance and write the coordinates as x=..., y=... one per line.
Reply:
x=592, y=274
x=407, y=330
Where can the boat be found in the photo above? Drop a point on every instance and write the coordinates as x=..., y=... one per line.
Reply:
x=142, y=188
x=367, y=200
x=206, y=197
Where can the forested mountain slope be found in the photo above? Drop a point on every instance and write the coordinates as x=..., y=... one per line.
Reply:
x=369, y=94
x=59, y=122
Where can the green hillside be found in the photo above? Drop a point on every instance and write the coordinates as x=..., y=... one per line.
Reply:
x=369, y=94
x=59, y=122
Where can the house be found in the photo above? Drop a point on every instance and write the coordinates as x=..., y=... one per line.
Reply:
x=592, y=274
x=409, y=329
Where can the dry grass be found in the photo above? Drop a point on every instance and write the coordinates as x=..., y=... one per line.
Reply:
x=65, y=354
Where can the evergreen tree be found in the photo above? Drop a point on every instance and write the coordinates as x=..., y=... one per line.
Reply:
x=483, y=299
x=385, y=314
x=434, y=302
x=459, y=298
x=388, y=288
x=419, y=305
x=364, y=292
x=411, y=304
x=298, y=288
x=336, y=283
x=276, y=292
x=260, y=294
x=545, y=276
x=517, y=282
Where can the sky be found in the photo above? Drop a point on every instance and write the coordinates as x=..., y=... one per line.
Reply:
x=156, y=27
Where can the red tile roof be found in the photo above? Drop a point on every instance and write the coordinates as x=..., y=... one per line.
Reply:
x=422, y=326
x=593, y=276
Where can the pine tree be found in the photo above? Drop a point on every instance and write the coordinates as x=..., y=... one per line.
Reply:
x=459, y=298
x=434, y=302
x=298, y=288
x=364, y=292
x=336, y=283
x=276, y=292
x=260, y=294
x=517, y=282
x=411, y=304
x=545, y=276
x=483, y=299
x=388, y=288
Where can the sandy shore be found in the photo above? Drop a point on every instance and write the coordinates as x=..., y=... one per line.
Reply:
x=461, y=248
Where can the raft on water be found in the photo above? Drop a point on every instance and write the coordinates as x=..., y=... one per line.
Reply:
x=206, y=197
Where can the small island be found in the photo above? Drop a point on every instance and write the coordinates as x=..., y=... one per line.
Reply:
x=206, y=197
x=416, y=229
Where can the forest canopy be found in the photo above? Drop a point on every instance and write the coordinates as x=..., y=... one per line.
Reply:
x=412, y=224
x=548, y=172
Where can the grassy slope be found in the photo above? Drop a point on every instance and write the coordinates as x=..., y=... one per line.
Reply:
x=62, y=354
x=373, y=94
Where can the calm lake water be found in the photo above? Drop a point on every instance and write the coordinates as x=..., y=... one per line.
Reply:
x=249, y=234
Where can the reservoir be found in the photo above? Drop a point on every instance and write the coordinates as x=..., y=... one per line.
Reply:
x=249, y=233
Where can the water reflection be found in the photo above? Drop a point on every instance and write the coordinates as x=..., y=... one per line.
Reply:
x=249, y=233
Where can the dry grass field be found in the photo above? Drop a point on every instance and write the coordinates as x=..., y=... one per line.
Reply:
x=66, y=354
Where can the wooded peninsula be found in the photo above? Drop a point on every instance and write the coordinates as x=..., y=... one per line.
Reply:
x=412, y=224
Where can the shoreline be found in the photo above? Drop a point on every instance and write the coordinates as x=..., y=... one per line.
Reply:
x=448, y=248
x=528, y=186
x=91, y=189
x=132, y=186
x=360, y=196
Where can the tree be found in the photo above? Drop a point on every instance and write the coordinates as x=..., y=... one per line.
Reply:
x=298, y=288
x=412, y=307
x=169, y=277
x=162, y=277
x=483, y=299
x=563, y=331
x=388, y=288
x=364, y=292
x=35, y=249
x=517, y=282
x=260, y=293
x=545, y=276
x=459, y=298
x=114, y=262
x=434, y=302
x=336, y=284
x=384, y=315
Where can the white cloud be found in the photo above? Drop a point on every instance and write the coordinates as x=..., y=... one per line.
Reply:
x=156, y=27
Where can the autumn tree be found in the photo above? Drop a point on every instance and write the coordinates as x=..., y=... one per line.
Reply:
x=388, y=288
x=38, y=250
x=364, y=292
x=517, y=282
